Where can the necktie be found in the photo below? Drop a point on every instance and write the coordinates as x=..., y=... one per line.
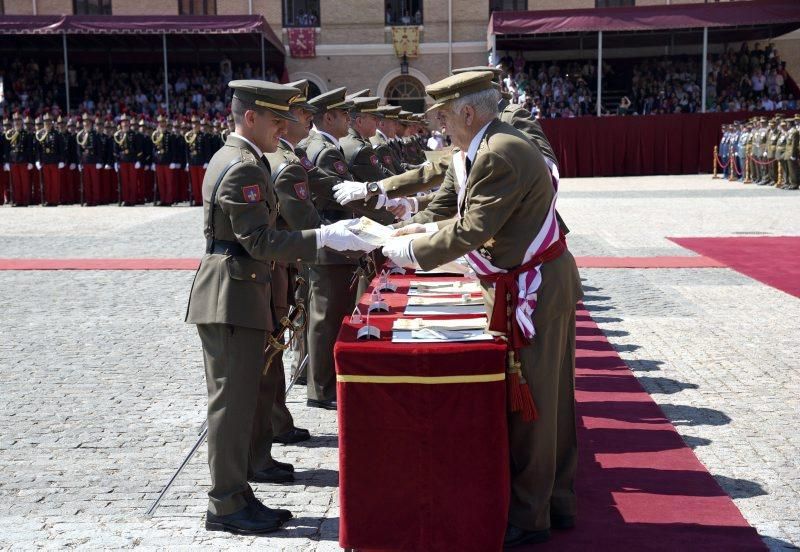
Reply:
x=468, y=165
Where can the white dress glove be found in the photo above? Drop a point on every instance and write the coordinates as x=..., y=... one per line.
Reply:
x=98, y=166
x=30, y=166
x=116, y=167
x=137, y=165
x=173, y=165
x=107, y=166
x=72, y=166
x=338, y=236
x=6, y=167
x=38, y=165
x=187, y=168
x=401, y=253
x=152, y=166
x=61, y=164
x=80, y=168
x=348, y=191
x=400, y=207
x=205, y=165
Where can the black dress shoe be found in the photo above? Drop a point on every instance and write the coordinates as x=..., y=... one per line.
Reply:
x=269, y=513
x=517, y=537
x=561, y=521
x=272, y=475
x=248, y=521
x=286, y=466
x=327, y=405
x=294, y=435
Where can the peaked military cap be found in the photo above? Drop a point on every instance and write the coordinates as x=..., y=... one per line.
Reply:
x=366, y=105
x=258, y=93
x=302, y=100
x=459, y=85
x=496, y=71
x=335, y=99
x=389, y=111
x=360, y=94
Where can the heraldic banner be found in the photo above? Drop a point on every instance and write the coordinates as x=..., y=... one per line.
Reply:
x=302, y=43
x=406, y=41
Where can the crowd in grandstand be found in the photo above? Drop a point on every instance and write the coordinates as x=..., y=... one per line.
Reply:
x=750, y=79
x=36, y=86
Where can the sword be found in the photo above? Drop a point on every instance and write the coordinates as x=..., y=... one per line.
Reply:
x=273, y=347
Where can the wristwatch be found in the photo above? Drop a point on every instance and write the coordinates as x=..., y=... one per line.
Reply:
x=372, y=189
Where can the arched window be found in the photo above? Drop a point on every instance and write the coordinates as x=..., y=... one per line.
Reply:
x=407, y=92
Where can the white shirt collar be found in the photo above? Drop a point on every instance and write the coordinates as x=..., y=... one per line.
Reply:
x=328, y=136
x=252, y=145
x=378, y=131
x=476, y=142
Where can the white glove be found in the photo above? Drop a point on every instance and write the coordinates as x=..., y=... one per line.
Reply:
x=38, y=165
x=401, y=253
x=400, y=208
x=61, y=164
x=205, y=165
x=116, y=167
x=80, y=168
x=338, y=236
x=6, y=167
x=72, y=166
x=98, y=166
x=152, y=166
x=30, y=166
x=348, y=191
x=187, y=168
x=173, y=165
x=137, y=165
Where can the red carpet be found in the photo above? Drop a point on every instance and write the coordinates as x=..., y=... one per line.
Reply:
x=774, y=261
x=191, y=264
x=639, y=486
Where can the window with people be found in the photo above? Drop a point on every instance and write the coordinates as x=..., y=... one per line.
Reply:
x=301, y=13
x=403, y=12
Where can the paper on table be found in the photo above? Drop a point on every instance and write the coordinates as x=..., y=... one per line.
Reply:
x=459, y=266
x=449, y=324
x=449, y=288
x=433, y=310
x=427, y=335
x=442, y=301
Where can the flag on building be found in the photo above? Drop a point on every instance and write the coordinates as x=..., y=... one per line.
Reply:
x=406, y=41
x=302, y=43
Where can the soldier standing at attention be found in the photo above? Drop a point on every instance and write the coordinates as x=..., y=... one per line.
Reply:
x=52, y=158
x=230, y=302
x=296, y=211
x=90, y=154
x=162, y=157
x=126, y=158
x=381, y=140
x=793, y=154
x=505, y=224
x=21, y=157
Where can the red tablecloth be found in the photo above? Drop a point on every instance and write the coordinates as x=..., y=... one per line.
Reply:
x=421, y=466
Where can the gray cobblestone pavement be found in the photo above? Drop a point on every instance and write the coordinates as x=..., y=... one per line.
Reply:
x=104, y=390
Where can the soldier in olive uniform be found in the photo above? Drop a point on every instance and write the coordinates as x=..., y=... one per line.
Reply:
x=296, y=211
x=381, y=141
x=506, y=207
x=230, y=303
x=780, y=153
x=358, y=152
x=332, y=280
x=793, y=154
x=741, y=151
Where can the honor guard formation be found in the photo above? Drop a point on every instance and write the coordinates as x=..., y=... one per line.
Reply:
x=762, y=151
x=281, y=189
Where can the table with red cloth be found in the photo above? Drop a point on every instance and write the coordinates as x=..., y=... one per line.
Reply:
x=423, y=444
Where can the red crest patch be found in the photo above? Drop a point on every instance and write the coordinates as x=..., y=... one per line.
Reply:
x=340, y=167
x=373, y=159
x=387, y=159
x=252, y=194
x=306, y=162
x=301, y=190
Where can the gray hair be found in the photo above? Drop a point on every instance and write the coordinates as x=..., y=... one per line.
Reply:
x=485, y=102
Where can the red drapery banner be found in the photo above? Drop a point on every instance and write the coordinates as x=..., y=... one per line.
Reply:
x=302, y=43
x=638, y=145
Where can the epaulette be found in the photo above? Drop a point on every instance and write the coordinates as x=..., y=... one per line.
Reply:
x=248, y=156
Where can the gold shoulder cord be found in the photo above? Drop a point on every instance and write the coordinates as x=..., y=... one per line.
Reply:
x=41, y=135
x=190, y=137
x=82, y=138
x=120, y=137
x=157, y=136
x=12, y=135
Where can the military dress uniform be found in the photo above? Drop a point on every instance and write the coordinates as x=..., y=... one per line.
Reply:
x=772, y=139
x=52, y=156
x=163, y=158
x=382, y=143
x=197, y=157
x=231, y=305
x=362, y=160
x=73, y=173
x=179, y=168
x=22, y=155
x=507, y=198
x=5, y=173
x=793, y=154
x=780, y=154
x=146, y=172
x=90, y=155
x=127, y=159
x=296, y=211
